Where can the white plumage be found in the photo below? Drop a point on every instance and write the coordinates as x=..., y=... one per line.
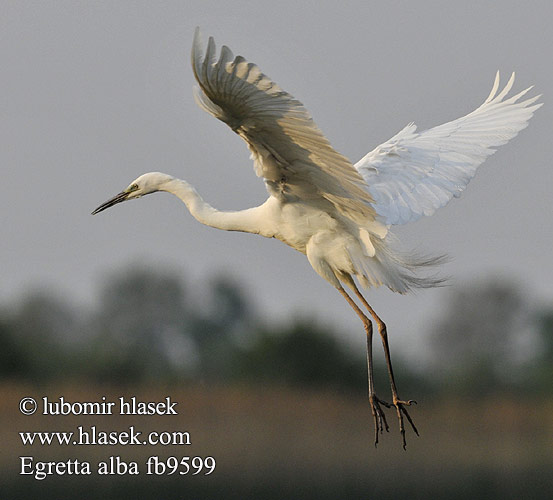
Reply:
x=336, y=213
x=413, y=174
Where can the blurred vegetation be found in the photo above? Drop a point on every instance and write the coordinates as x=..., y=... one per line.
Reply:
x=282, y=407
x=149, y=327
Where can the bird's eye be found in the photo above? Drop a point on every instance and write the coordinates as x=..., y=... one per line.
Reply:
x=133, y=187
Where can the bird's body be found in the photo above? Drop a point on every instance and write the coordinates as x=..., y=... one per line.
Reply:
x=336, y=213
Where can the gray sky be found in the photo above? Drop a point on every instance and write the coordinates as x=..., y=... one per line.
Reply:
x=95, y=93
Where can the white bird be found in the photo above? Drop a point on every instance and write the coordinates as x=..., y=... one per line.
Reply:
x=337, y=213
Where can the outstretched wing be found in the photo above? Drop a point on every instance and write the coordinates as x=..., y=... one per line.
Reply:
x=413, y=174
x=288, y=149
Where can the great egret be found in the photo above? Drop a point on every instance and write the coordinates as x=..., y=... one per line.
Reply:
x=337, y=213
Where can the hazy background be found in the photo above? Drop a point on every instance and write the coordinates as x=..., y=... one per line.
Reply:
x=94, y=94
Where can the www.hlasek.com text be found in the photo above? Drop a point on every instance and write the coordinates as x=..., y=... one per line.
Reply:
x=87, y=436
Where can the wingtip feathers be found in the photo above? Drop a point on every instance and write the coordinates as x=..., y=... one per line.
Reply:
x=494, y=97
x=494, y=88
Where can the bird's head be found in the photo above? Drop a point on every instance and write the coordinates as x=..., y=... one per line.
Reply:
x=143, y=185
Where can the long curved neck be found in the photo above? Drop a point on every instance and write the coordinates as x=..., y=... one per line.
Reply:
x=244, y=220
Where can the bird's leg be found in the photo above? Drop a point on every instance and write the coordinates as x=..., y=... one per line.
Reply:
x=378, y=413
x=399, y=404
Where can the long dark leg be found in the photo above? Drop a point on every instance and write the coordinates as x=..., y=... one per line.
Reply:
x=378, y=414
x=400, y=405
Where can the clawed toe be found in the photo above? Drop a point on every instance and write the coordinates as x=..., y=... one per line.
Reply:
x=379, y=416
x=380, y=423
x=401, y=411
x=405, y=403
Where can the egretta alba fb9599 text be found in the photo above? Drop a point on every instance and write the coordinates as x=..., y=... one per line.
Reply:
x=337, y=213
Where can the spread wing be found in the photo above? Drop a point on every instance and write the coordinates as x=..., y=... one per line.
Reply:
x=288, y=149
x=413, y=174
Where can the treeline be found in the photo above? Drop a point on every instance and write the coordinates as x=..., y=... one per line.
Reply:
x=148, y=327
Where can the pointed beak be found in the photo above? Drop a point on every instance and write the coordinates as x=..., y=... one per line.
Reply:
x=118, y=198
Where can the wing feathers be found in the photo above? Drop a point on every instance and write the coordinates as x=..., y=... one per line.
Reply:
x=413, y=174
x=289, y=150
x=494, y=89
x=409, y=176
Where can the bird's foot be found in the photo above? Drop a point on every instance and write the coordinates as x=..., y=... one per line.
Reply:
x=402, y=411
x=379, y=417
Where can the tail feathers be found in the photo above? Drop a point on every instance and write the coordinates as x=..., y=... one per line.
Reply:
x=398, y=271
x=414, y=262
